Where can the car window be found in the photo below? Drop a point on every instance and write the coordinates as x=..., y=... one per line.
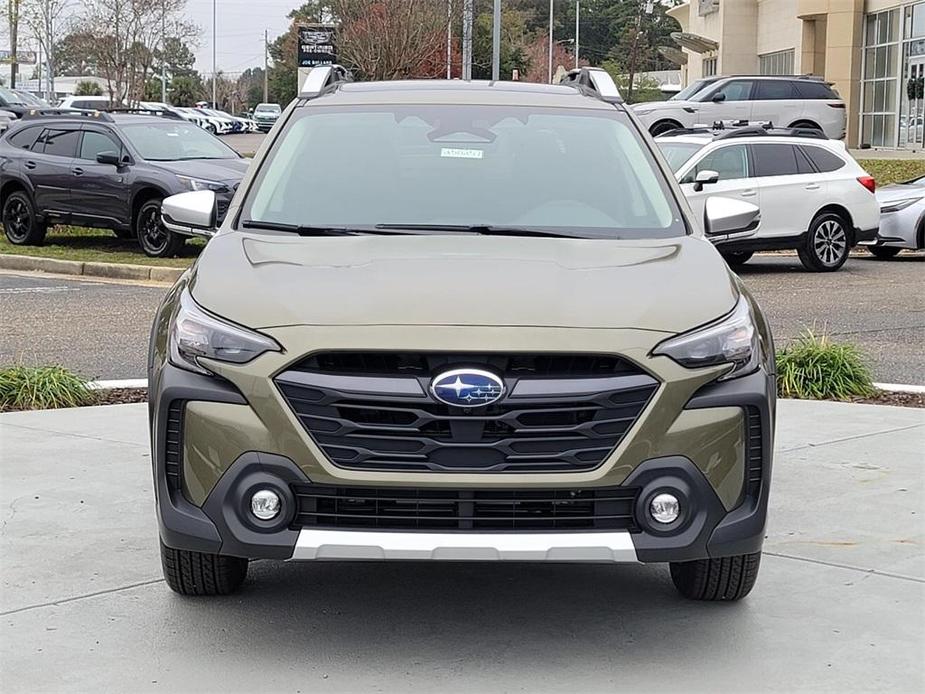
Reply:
x=425, y=164
x=89, y=105
x=774, y=90
x=736, y=90
x=804, y=165
x=823, y=160
x=175, y=141
x=94, y=143
x=24, y=138
x=775, y=160
x=816, y=90
x=677, y=153
x=730, y=162
x=60, y=143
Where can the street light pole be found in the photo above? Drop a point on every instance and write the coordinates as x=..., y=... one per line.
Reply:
x=496, y=42
x=214, y=64
x=164, y=51
x=577, y=27
x=467, y=40
x=449, y=39
x=550, y=40
x=266, y=66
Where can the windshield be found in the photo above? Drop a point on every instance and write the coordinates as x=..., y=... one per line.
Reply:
x=689, y=90
x=268, y=108
x=175, y=140
x=10, y=97
x=677, y=153
x=576, y=172
x=30, y=99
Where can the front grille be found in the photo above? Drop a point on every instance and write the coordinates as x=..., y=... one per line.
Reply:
x=388, y=420
x=221, y=209
x=389, y=508
x=753, y=456
x=173, y=448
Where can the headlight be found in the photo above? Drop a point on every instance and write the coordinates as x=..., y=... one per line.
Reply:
x=194, y=333
x=200, y=184
x=897, y=205
x=730, y=340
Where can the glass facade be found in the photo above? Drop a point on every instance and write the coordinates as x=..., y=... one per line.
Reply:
x=893, y=104
x=777, y=63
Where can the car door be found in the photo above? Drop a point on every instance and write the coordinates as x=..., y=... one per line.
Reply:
x=49, y=166
x=731, y=162
x=99, y=190
x=728, y=101
x=791, y=191
x=778, y=102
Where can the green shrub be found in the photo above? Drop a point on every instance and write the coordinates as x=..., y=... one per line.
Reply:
x=42, y=387
x=812, y=367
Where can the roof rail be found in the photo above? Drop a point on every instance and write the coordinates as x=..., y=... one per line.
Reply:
x=595, y=80
x=67, y=113
x=770, y=131
x=162, y=112
x=322, y=78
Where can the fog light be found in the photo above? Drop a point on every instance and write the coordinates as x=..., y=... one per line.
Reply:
x=265, y=504
x=665, y=508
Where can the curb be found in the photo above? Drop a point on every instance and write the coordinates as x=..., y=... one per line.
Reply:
x=122, y=271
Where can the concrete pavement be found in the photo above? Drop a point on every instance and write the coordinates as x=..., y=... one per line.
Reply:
x=838, y=607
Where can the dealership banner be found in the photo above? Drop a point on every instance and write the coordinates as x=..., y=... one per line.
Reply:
x=317, y=45
x=22, y=57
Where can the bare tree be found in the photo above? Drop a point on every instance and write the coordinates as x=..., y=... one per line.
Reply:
x=44, y=20
x=13, y=16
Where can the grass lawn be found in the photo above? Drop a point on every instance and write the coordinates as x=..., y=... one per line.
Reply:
x=98, y=245
x=893, y=170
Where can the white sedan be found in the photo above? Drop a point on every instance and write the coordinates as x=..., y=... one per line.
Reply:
x=902, y=219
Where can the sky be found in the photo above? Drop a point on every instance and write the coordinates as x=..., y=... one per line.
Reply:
x=239, y=30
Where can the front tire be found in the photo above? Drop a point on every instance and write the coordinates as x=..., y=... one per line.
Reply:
x=883, y=252
x=663, y=126
x=20, y=220
x=734, y=259
x=156, y=240
x=197, y=573
x=826, y=246
x=726, y=579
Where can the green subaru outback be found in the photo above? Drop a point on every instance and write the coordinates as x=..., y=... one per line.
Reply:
x=461, y=321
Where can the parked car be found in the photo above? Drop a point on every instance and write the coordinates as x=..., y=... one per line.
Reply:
x=200, y=119
x=902, y=219
x=86, y=103
x=11, y=102
x=789, y=101
x=31, y=99
x=221, y=124
x=6, y=119
x=108, y=170
x=266, y=116
x=393, y=361
x=814, y=197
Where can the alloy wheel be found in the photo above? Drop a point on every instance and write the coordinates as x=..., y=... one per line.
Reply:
x=154, y=234
x=830, y=242
x=17, y=218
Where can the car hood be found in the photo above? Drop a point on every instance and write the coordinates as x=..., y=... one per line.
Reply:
x=224, y=170
x=899, y=191
x=264, y=281
x=648, y=106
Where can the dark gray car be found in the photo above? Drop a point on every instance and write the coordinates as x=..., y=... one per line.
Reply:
x=109, y=170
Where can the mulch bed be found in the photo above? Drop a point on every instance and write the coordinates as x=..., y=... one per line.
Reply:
x=121, y=396
x=884, y=397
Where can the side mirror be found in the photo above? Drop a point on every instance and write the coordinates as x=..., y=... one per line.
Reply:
x=190, y=213
x=704, y=177
x=727, y=216
x=111, y=158
x=719, y=97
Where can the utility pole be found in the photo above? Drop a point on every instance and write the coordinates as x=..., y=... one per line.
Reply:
x=550, y=40
x=50, y=50
x=214, y=63
x=266, y=67
x=13, y=12
x=496, y=42
x=577, y=27
x=164, y=51
x=449, y=39
x=467, y=40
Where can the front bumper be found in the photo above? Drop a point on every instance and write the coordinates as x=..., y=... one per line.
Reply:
x=899, y=229
x=221, y=524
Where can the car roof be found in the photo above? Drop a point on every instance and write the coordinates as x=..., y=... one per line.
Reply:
x=482, y=92
x=705, y=139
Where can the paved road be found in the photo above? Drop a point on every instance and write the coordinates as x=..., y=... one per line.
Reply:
x=837, y=607
x=101, y=329
x=246, y=144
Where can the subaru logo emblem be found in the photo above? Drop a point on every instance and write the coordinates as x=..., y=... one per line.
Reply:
x=467, y=388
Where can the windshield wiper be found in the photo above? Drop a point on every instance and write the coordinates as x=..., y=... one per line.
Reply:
x=300, y=229
x=480, y=229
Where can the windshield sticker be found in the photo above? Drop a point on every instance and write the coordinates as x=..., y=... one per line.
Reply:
x=455, y=153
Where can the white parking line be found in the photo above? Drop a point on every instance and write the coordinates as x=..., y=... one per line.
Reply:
x=124, y=383
x=900, y=387
x=37, y=290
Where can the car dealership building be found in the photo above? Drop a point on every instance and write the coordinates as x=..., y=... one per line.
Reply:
x=873, y=51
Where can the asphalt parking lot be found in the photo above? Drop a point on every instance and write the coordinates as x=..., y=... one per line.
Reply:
x=837, y=606
x=100, y=329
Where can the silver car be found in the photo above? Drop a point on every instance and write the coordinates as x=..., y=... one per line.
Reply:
x=790, y=101
x=902, y=218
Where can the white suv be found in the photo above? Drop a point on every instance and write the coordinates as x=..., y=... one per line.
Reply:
x=814, y=197
x=788, y=101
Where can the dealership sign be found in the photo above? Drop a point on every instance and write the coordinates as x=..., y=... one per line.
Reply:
x=317, y=45
x=22, y=57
